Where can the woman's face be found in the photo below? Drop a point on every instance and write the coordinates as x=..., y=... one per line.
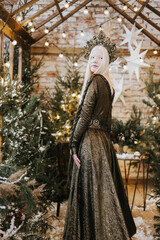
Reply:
x=95, y=59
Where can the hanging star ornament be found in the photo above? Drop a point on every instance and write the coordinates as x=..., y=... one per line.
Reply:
x=130, y=37
x=115, y=65
x=135, y=61
x=120, y=91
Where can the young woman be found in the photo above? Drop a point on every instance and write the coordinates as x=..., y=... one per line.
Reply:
x=97, y=207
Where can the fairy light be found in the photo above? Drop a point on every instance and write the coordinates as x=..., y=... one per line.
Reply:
x=125, y=7
x=67, y=126
x=78, y=96
x=46, y=30
x=75, y=64
x=30, y=24
x=61, y=55
x=73, y=94
x=124, y=67
x=106, y=12
x=18, y=18
x=58, y=117
x=119, y=19
x=63, y=34
x=46, y=43
x=59, y=134
x=85, y=10
x=135, y=8
x=82, y=33
x=14, y=42
x=32, y=29
x=155, y=52
x=66, y=4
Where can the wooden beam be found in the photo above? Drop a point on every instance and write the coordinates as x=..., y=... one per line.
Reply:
x=52, y=50
x=20, y=64
x=125, y=15
x=10, y=34
x=11, y=60
x=46, y=8
x=65, y=18
x=1, y=48
x=150, y=7
x=141, y=9
x=141, y=15
x=59, y=10
x=53, y=16
x=15, y=26
x=20, y=9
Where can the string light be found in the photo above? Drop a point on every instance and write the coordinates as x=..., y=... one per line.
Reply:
x=14, y=42
x=18, y=18
x=59, y=134
x=119, y=19
x=85, y=10
x=78, y=96
x=32, y=29
x=82, y=33
x=46, y=30
x=155, y=52
x=46, y=43
x=63, y=34
x=135, y=8
x=66, y=4
x=100, y=28
x=61, y=55
x=106, y=12
x=58, y=117
x=75, y=64
x=125, y=7
x=30, y=24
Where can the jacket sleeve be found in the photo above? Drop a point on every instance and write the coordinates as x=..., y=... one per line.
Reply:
x=85, y=115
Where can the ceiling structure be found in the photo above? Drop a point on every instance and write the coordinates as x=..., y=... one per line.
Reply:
x=55, y=14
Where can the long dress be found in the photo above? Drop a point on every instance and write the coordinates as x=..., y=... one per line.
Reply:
x=98, y=208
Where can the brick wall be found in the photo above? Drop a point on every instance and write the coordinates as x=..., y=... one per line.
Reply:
x=136, y=90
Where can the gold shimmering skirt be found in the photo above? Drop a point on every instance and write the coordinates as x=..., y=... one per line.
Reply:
x=97, y=207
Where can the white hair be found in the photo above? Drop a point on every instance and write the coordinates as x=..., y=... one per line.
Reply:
x=103, y=68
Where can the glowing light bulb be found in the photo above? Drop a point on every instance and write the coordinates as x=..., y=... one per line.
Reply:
x=85, y=10
x=106, y=12
x=46, y=30
x=135, y=8
x=14, y=42
x=125, y=7
x=100, y=28
x=75, y=64
x=73, y=94
x=61, y=55
x=155, y=52
x=59, y=133
x=64, y=34
x=124, y=67
x=30, y=24
x=18, y=18
x=82, y=33
x=46, y=44
x=32, y=29
x=58, y=117
x=119, y=19
x=66, y=4
x=78, y=96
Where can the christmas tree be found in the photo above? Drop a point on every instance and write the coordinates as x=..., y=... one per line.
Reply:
x=151, y=146
x=29, y=176
x=65, y=98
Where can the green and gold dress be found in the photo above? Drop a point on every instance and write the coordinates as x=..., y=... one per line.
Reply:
x=98, y=208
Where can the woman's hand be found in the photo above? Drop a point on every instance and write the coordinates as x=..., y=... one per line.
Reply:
x=76, y=160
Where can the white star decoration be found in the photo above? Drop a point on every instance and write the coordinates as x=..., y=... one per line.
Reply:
x=115, y=65
x=134, y=62
x=130, y=37
x=120, y=91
